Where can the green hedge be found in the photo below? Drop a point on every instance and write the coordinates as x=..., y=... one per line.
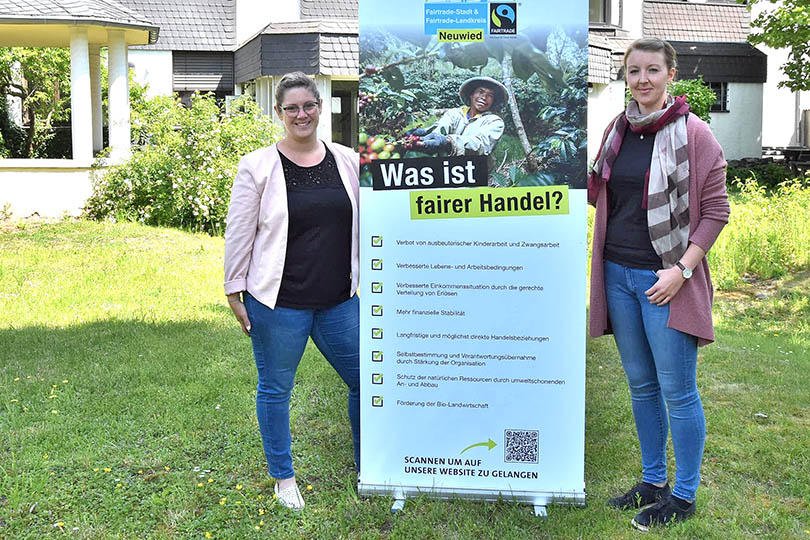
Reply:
x=182, y=167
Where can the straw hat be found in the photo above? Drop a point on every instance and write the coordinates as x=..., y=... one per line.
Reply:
x=469, y=86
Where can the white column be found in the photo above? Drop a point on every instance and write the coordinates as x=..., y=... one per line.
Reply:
x=118, y=95
x=95, y=96
x=80, y=109
x=324, y=85
x=14, y=104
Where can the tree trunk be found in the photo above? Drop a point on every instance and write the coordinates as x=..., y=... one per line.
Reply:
x=513, y=107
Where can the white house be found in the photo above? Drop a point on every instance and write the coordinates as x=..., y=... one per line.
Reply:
x=231, y=47
x=710, y=39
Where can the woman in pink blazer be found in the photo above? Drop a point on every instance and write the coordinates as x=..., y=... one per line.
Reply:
x=291, y=257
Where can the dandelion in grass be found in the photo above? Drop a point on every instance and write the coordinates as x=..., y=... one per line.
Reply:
x=309, y=487
x=259, y=497
x=140, y=471
x=210, y=480
x=117, y=485
x=223, y=500
x=238, y=502
x=261, y=511
x=107, y=469
x=54, y=411
x=64, y=381
x=95, y=469
x=16, y=379
x=14, y=401
x=200, y=484
x=167, y=467
x=238, y=487
x=45, y=456
x=207, y=534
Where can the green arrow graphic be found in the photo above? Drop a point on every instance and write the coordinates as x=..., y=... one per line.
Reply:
x=490, y=443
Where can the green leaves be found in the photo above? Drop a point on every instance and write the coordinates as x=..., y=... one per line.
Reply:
x=787, y=26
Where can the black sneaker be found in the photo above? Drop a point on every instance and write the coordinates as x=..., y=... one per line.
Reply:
x=669, y=509
x=640, y=495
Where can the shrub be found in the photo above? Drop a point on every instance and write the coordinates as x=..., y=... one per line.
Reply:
x=769, y=174
x=699, y=96
x=183, y=163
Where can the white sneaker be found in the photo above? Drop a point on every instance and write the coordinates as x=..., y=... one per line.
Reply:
x=289, y=497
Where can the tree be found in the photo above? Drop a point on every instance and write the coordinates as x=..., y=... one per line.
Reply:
x=40, y=77
x=787, y=26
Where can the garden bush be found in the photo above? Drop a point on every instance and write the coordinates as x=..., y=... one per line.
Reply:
x=766, y=173
x=183, y=163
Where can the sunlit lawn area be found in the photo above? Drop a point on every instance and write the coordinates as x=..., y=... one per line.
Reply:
x=127, y=411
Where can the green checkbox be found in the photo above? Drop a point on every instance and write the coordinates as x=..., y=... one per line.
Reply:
x=376, y=311
x=376, y=401
x=376, y=378
x=376, y=287
x=376, y=241
x=376, y=264
x=376, y=333
x=376, y=356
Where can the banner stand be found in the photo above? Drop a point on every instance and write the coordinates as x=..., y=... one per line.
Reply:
x=473, y=246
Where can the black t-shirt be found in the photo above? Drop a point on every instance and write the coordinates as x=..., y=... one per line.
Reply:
x=627, y=239
x=317, y=268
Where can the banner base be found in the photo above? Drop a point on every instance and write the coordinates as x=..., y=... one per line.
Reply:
x=539, y=499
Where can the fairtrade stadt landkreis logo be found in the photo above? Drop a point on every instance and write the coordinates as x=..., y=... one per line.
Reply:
x=503, y=18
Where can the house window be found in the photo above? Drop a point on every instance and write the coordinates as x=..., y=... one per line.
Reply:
x=599, y=11
x=720, y=90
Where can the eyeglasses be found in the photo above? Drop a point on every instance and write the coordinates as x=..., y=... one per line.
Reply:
x=293, y=110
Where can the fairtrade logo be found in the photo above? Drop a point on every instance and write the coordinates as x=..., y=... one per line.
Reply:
x=503, y=18
x=505, y=11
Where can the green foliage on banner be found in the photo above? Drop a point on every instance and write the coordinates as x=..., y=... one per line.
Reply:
x=404, y=87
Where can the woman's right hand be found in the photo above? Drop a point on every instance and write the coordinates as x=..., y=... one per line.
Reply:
x=239, y=312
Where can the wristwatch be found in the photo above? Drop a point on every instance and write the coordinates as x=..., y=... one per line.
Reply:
x=685, y=272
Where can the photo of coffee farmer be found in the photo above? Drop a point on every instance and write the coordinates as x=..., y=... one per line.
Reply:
x=472, y=129
x=519, y=101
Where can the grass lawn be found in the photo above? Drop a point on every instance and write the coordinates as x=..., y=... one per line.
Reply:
x=127, y=411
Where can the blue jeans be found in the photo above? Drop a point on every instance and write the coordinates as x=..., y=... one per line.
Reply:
x=661, y=365
x=279, y=338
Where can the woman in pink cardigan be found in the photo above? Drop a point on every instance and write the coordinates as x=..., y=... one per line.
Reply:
x=658, y=185
x=291, y=257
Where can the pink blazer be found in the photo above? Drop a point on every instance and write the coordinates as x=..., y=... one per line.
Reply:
x=256, y=226
x=691, y=309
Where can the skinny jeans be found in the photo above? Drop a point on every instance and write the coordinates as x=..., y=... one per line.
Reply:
x=661, y=368
x=279, y=337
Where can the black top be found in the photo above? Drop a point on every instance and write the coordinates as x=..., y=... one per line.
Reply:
x=627, y=239
x=317, y=270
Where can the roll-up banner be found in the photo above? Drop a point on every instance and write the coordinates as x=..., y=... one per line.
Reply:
x=473, y=245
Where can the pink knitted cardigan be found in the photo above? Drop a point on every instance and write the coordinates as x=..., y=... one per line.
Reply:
x=691, y=309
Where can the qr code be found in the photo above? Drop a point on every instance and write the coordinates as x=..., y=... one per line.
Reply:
x=520, y=446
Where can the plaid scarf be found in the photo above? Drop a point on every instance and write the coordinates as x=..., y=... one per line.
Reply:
x=666, y=196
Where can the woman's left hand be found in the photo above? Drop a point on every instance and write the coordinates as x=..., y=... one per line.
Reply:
x=669, y=283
